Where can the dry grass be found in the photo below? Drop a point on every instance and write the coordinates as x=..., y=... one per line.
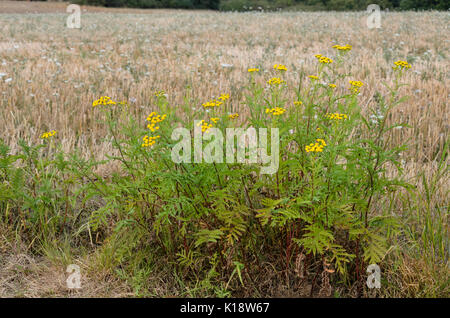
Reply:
x=57, y=72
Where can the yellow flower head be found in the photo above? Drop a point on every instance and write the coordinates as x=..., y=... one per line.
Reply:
x=149, y=140
x=251, y=70
x=313, y=77
x=343, y=48
x=400, y=65
x=224, y=97
x=355, y=86
x=233, y=116
x=104, y=100
x=160, y=94
x=204, y=125
x=316, y=147
x=276, y=111
x=323, y=59
x=280, y=67
x=154, y=119
x=215, y=120
x=215, y=102
x=332, y=85
x=298, y=102
x=48, y=134
x=275, y=81
x=336, y=116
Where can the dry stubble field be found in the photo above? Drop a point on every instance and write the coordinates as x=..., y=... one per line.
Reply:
x=49, y=76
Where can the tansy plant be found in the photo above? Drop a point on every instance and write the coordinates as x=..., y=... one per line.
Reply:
x=216, y=223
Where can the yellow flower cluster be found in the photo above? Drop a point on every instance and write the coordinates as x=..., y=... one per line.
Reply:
x=401, y=65
x=317, y=146
x=215, y=119
x=280, y=67
x=336, y=116
x=277, y=111
x=323, y=59
x=313, y=77
x=332, y=85
x=149, y=141
x=224, y=97
x=355, y=86
x=216, y=102
x=347, y=47
x=48, y=134
x=160, y=93
x=275, y=81
x=104, y=100
x=251, y=70
x=298, y=103
x=154, y=119
x=233, y=116
x=212, y=103
x=205, y=126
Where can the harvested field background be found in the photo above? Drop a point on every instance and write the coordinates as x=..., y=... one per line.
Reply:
x=49, y=74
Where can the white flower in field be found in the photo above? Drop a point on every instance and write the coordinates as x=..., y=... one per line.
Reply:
x=224, y=65
x=8, y=80
x=2, y=74
x=133, y=100
x=398, y=127
x=291, y=131
x=29, y=81
x=32, y=95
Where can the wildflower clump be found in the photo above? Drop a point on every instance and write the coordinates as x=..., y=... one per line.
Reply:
x=400, y=65
x=212, y=103
x=336, y=116
x=104, y=100
x=316, y=147
x=154, y=119
x=323, y=59
x=275, y=81
x=343, y=48
x=355, y=86
x=280, y=67
x=224, y=97
x=149, y=141
x=48, y=134
x=204, y=125
x=160, y=94
x=276, y=111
